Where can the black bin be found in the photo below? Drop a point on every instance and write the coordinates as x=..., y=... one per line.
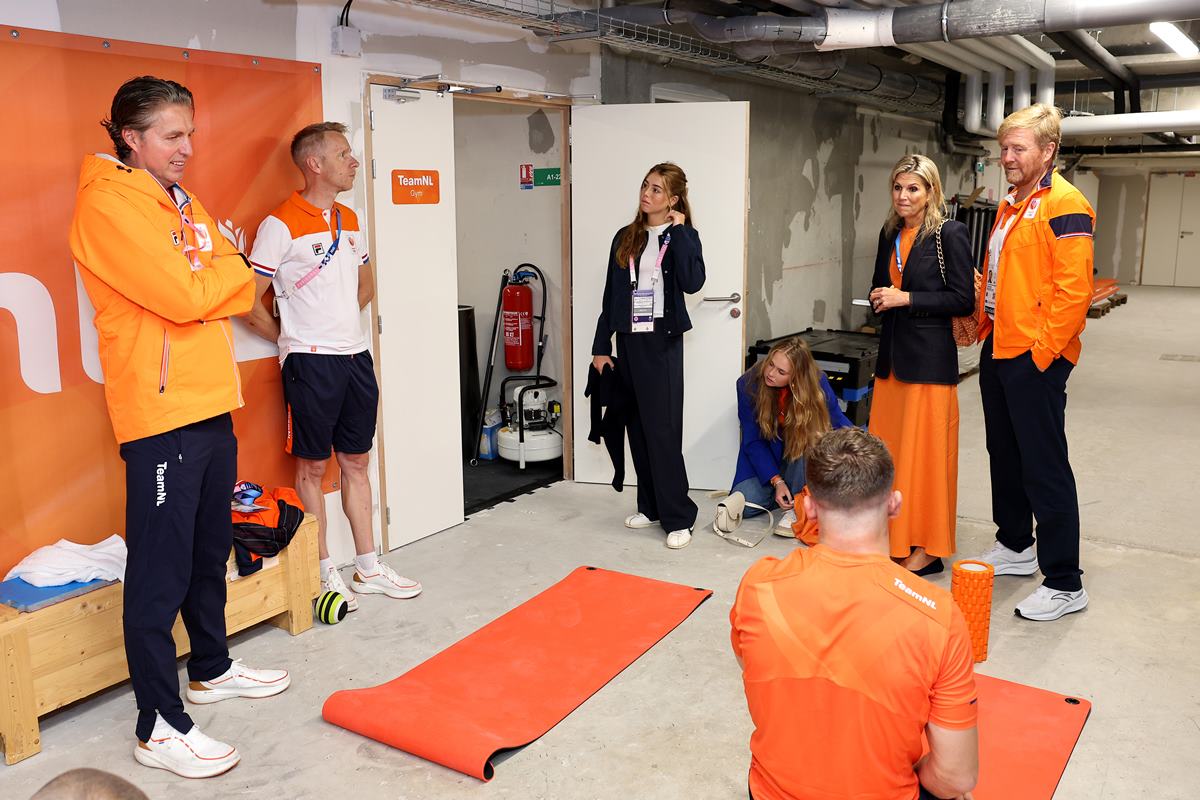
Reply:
x=468, y=377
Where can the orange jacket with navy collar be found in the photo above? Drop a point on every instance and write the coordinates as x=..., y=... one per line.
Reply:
x=1044, y=280
x=163, y=291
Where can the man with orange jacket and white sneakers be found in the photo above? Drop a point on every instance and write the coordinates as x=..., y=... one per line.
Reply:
x=1037, y=291
x=164, y=283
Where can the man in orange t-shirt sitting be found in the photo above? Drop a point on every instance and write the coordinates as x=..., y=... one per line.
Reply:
x=848, y=658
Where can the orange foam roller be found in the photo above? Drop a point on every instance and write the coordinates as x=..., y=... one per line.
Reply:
x=971, y=586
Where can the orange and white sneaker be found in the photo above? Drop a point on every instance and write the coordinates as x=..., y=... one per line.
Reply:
x=384, y=580
x=239, y=681
x=332, y=582
x=189, y=755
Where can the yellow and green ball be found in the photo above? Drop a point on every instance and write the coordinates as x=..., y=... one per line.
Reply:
x=331, y=608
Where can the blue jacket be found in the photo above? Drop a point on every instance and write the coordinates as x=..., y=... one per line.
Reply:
x=758, y=457
x=682, y=272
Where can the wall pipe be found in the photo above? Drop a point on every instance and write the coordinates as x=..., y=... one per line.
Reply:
x=1132, y=124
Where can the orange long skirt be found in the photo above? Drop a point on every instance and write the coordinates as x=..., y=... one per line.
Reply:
x=919, y=424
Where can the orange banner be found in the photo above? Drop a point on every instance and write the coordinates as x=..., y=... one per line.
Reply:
x=62, y=476
x=416, y=187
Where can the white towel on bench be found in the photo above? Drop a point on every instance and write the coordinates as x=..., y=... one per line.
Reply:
x=66, y=561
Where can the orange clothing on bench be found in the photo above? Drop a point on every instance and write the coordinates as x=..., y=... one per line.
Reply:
x=846, y=658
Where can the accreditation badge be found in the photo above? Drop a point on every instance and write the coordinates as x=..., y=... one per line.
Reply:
x=642, y=320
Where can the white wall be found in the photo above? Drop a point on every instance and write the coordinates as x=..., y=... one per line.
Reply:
x=501, y=225
x=398, y=40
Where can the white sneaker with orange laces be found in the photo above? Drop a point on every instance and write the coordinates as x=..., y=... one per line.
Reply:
x=189, y=755
x=384, y=580
x=239, y=681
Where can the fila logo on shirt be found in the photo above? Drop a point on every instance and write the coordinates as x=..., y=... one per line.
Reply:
x=160, y=480
x=318, y=249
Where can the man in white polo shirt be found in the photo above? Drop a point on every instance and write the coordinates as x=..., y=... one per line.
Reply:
x=313, y=253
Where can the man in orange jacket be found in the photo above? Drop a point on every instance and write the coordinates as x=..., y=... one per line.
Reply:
x=1037, y=290
x=164, y=283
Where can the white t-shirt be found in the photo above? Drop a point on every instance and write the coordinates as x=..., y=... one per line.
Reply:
x=323, y=315
x=646, y=264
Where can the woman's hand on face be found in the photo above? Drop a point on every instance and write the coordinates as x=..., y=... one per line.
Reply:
x=887, y=297
x=676, y=217
x=783, y=496
x=600, y=362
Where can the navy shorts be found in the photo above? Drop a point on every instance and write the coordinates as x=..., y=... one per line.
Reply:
x=331, y=403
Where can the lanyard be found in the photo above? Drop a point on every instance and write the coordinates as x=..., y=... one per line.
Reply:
x=190, y=251
x=899, y=263
x=662, y=251
x=312, y=273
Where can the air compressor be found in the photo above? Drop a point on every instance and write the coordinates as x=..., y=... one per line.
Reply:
x=529, y=413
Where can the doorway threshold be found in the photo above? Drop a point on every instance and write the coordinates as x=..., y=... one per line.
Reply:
x=492, y=482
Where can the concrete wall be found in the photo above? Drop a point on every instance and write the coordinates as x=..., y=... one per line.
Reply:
x=1120, y=225
x=818, y=191
x=501, y=225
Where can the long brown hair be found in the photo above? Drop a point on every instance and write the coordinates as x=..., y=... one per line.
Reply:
x=806, y=417
x=634, y=237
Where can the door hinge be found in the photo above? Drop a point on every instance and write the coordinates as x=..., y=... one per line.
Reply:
x=387, y=514
x=372, y=169
x=379, y=323
x=371, y=118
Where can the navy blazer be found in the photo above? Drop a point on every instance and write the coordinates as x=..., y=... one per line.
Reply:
x=682, y=271
x=917, y=343
x=761, y=458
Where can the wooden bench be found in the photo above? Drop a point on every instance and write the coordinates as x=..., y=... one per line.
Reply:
x=65, y=652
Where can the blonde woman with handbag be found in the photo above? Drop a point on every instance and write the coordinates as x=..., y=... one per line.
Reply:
x=923, y=279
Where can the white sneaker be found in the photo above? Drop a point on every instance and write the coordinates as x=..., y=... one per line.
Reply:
x=332, y=582
x=1010, y=562
x=239, y=681
x=189, y=755
x=384, y=580
x=784, y=526
x=639, y=520
x=677, y=540
x=1048, y=604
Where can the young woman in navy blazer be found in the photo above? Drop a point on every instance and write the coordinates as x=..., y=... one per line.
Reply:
x=915, y=404
x=651, y=362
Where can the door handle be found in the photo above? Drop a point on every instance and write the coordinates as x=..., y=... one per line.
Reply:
x=1181, y=235
x=733, y=298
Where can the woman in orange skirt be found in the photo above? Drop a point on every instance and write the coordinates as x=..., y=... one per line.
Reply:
x=923, y=278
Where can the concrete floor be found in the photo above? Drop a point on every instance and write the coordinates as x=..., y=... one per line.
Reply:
x=674, y=725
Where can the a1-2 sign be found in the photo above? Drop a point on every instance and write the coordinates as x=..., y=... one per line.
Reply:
x=415, y=187
x=548, y=176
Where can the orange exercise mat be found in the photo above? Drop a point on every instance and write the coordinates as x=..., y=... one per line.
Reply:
x=1026, y=736
x=520, y=675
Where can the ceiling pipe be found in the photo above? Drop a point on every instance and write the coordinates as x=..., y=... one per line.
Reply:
x=953, y=58
x=1132, y=124
x=1125, y=149
x=1034, y=56
x=1088, y=86
x=1089, y=52
x=841, y=73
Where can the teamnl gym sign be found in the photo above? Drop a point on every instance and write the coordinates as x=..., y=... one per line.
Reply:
x=415, y=187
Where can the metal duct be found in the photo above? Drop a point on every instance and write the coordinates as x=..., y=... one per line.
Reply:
x=835, y=68
x=1132, y=124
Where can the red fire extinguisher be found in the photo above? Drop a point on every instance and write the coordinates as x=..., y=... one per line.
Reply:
x=517, y=311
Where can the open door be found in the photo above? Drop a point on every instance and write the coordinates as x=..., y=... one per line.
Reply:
x=416, y=273
x=612, y=147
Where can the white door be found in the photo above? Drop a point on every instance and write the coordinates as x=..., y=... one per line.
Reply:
x=1187, y=261
x=416, y=268
x=612, y=148
x=1160, y=250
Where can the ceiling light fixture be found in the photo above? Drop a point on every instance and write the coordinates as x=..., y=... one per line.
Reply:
x=1176, y=39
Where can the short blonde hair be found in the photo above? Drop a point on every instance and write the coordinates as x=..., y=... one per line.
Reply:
x=1042, y=118
x=935, y=210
